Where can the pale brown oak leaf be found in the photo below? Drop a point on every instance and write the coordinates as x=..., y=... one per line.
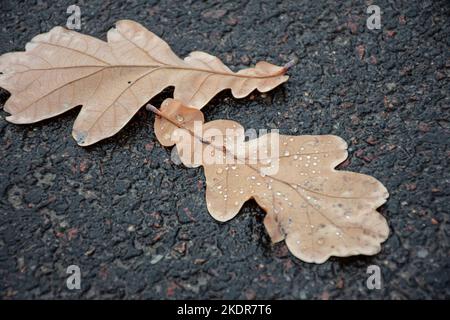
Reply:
x=112, y=80
x=319, y=211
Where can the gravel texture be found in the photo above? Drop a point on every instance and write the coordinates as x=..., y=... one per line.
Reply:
x=137, y=224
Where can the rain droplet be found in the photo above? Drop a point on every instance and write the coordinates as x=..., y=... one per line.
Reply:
x=291, y=139
x=219, y=170
x=286, y=153
x=179, y=118
x=295, y=157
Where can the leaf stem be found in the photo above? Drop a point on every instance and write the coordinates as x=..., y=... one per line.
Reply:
x=290, y=64
x=155, y=110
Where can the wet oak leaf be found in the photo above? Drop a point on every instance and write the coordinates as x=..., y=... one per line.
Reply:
x=319, y=211
x=63, y=69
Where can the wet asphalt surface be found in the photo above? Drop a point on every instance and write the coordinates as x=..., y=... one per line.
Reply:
x=137, y=225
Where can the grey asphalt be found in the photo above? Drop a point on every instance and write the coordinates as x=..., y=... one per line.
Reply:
x=137, y=225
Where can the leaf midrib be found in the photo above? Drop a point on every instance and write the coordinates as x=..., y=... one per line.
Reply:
x=163, y=66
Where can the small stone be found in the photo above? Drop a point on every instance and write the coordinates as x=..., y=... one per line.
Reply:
x=371, y=140
x=361, y=50
x=422, y=253
x=199, y=261
x=440, y=75
x=180, y=248
x=250, y=294
x=352, y=26
x=391, y=33
x=411, y=186
x=157, y=258
x=391, y=86
x=245, y=60
x=90, y=252
x=340, y=283
x=214, y=14
x=231, y=21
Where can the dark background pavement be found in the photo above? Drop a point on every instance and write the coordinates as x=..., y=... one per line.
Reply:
x=137, y=224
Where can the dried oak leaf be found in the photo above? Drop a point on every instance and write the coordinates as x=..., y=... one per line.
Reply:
x=319, y=211
x=62, y=69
